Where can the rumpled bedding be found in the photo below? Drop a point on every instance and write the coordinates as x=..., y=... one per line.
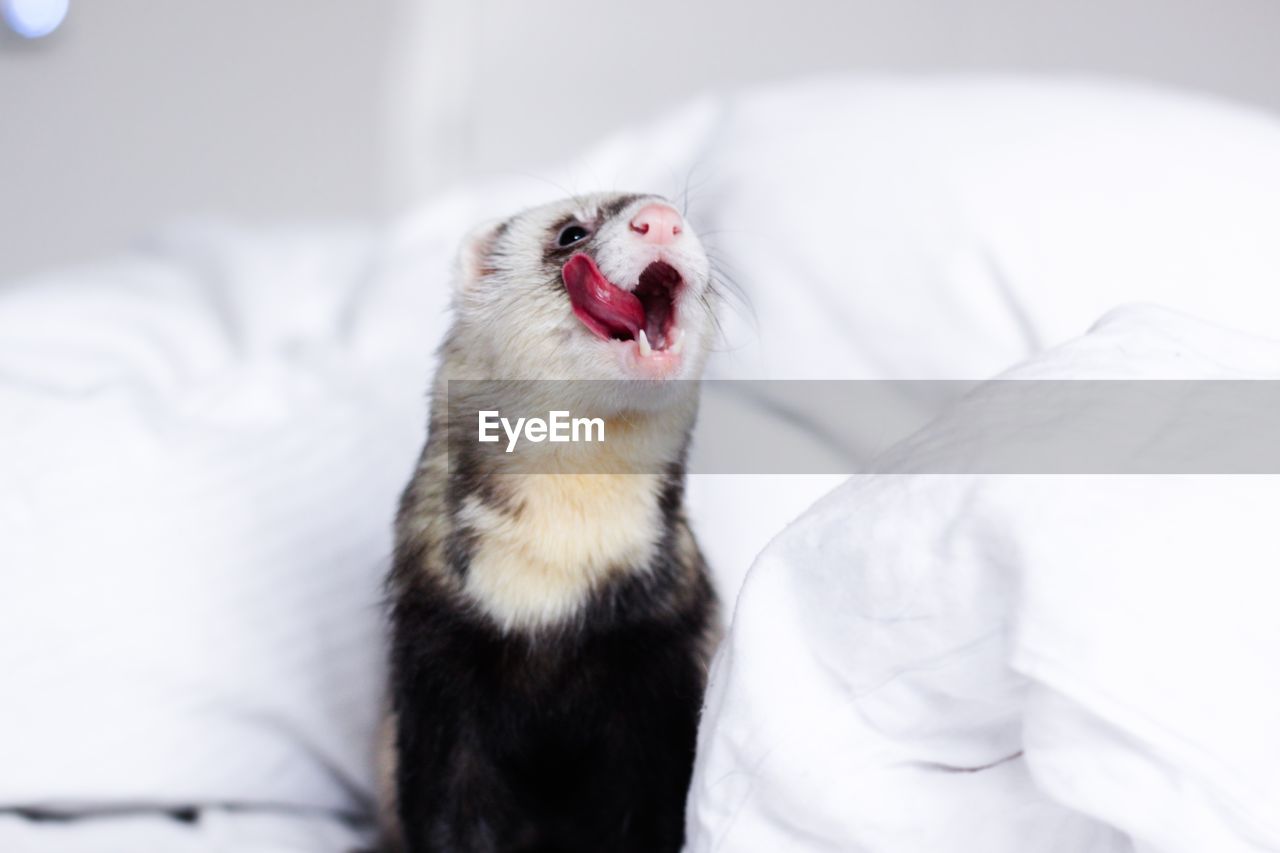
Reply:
x=251, y=830
x=1013, y=663
x=202, y=442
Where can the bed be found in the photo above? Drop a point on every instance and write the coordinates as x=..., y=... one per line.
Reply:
x=204, y=438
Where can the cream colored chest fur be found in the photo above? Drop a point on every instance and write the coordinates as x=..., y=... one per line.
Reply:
x=566, y=534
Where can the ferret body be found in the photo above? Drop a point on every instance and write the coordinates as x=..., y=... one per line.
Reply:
x=552, y=623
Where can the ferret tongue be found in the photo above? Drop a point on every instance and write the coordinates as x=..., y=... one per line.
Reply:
x=604, y=308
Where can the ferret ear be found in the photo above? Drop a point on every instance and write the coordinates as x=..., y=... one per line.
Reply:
x=477, y=247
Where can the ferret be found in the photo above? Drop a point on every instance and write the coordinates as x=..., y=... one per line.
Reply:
x=551, y=626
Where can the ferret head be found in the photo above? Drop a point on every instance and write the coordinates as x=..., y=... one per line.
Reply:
x=611, y=286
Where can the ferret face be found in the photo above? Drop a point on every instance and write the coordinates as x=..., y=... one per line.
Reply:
x=611, y=286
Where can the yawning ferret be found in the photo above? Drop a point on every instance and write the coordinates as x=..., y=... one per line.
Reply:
x=551, y=625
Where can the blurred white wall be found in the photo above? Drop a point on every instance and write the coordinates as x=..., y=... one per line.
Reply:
x=138, y=112
x=499, y=85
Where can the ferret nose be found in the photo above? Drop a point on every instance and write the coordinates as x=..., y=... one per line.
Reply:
x=659, y=224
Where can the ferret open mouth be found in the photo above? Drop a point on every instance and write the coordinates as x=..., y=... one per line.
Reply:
x=646, y=314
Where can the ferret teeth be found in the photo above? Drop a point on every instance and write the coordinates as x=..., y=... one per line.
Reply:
x=645, y=349
x=677, y=345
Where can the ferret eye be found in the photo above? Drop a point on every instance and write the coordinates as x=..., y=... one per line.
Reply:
x=570, y=234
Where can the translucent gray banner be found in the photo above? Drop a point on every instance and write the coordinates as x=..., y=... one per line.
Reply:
x=849, y=427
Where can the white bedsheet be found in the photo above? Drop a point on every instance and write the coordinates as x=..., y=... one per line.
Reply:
x=203, y=440
x=1012, y=663
x=212, y=830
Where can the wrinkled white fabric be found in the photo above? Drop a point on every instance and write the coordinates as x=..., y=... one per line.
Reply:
x=214, y=829
x=1012, y=663
x=202, y=441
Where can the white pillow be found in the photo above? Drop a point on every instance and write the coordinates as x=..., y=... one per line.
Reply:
x=950, y=227
x=197, y=477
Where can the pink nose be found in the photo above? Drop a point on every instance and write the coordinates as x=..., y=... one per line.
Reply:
x=659, y=224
